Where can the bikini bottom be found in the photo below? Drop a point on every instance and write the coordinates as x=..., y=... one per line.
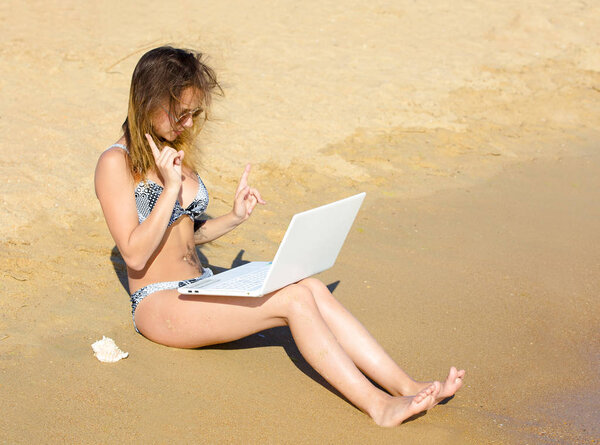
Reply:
x=143, y=292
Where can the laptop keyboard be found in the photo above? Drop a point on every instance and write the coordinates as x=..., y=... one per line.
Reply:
x=249, y=281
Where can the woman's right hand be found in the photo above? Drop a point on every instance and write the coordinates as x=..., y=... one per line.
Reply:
x=168, y=162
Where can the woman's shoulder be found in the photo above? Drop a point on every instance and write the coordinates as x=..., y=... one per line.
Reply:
x=113, y=163
x=118, y=146
x=115, y=154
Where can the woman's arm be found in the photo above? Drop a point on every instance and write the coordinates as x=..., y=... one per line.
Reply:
x=212, y=229
x=114, y=188
x=244, y=202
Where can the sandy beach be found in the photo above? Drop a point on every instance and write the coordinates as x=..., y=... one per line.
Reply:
x=473, y=128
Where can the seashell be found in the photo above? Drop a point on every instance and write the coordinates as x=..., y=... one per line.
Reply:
x=107, y=351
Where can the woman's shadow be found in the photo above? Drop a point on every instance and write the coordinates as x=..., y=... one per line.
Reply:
x=278, y=336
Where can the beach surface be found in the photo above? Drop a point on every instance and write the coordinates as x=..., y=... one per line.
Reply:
x=474, y=130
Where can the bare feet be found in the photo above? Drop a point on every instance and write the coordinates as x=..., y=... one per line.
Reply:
x=452, y=383
x=398, y=409
x=449, y=387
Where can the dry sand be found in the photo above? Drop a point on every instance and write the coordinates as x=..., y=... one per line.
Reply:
x=474, y=130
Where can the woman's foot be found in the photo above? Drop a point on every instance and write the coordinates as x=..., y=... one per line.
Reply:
x=448, y=388
x=397, y=409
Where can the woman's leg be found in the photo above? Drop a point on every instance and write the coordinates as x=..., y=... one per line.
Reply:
x=364, y=350
x=190, y=321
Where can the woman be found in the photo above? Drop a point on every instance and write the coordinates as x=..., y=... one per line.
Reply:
x=151, y=197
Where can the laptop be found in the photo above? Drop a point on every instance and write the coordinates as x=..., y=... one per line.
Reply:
x=310, y=245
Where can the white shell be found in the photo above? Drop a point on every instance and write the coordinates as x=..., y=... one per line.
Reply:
x=107, y=351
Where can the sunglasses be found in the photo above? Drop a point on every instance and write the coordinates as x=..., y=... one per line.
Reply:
x=183, y=118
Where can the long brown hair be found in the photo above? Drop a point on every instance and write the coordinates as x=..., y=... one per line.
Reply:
x=164, y=73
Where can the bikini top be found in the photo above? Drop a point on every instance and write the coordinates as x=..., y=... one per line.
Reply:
x=147, y=193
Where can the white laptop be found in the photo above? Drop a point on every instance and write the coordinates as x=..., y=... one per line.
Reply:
x=310, y=245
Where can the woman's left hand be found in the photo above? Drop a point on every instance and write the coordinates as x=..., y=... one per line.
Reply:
x=246, y=198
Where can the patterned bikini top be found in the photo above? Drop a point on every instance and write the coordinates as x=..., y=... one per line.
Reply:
x=147, y=193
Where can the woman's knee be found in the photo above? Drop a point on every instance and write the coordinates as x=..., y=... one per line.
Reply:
x=297, y=298
x=320, y=292
x=312, y=283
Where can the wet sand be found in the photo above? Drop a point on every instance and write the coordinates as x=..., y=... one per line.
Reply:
x=473, y=130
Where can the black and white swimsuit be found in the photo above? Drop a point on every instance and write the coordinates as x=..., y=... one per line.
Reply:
x=146, y=194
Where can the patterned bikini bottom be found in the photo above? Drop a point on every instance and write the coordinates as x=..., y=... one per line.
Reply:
x=143, y=292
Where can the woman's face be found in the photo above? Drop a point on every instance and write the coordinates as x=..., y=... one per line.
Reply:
x=190, y=100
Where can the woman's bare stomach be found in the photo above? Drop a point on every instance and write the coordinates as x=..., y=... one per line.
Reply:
x=175, y=259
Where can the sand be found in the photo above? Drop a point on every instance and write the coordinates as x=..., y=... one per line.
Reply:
x=473, y=129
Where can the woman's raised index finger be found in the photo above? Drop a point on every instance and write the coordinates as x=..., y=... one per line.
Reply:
x=153, y=147
x=244, y=178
